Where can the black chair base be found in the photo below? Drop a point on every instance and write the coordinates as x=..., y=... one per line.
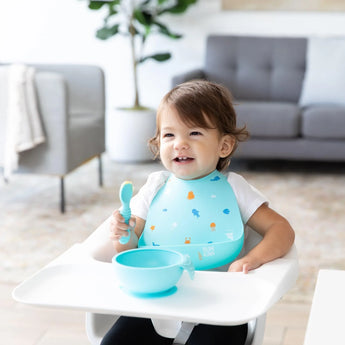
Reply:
x=62, y=184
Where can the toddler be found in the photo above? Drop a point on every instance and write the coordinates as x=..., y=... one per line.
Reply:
x=196, y=134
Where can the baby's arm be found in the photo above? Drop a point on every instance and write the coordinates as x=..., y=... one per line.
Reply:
x=278, y=237
x=118, y=228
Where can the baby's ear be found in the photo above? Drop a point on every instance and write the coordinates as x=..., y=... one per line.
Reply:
x=227, y=145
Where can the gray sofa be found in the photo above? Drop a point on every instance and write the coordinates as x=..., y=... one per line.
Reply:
x=265, y=76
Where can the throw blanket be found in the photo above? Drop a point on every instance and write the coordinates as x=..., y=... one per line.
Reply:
x=20, y=121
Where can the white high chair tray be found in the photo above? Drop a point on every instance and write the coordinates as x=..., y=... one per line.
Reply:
x=76, y=281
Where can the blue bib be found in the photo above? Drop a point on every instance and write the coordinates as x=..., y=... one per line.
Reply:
x=198, y=217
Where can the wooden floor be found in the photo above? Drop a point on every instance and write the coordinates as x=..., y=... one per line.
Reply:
x=25, y=325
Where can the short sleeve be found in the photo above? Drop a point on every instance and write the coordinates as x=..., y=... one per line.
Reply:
x=249, y=199
x=141, y=202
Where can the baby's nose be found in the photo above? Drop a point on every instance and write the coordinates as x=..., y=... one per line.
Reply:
x=181, y=143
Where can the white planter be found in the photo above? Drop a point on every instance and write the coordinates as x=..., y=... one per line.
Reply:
x=128, y=132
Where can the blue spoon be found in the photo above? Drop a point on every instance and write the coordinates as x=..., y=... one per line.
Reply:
x=126, y=192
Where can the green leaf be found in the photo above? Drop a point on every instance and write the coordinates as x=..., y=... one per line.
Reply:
x=96, y=5
x=180, y=7
x=190, y=2
x=158, y=57
x=107, y=32
x=146, y=34
x=143, y=17
x=165, y=31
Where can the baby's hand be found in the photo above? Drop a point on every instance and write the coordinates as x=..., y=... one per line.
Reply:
x=118, y=227
x=244, y=265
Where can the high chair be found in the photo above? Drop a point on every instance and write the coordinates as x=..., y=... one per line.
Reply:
x=82, y=278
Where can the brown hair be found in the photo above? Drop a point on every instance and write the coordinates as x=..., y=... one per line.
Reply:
x=201, y=103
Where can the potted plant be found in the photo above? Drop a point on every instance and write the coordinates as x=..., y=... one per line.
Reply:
x=137, y=20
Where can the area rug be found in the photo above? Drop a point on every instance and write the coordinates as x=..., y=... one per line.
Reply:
x=33, y=231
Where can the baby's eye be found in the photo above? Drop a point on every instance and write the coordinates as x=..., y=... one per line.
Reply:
x=168, y=135
x=195, y=133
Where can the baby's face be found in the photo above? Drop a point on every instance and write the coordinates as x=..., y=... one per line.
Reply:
x=189, y=152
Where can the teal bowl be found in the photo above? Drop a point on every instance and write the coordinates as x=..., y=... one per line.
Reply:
x=150, y=270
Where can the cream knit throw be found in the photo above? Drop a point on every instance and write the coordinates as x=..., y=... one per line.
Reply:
x=23, y=128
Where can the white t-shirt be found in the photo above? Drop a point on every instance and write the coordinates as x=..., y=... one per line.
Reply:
x=249, y=199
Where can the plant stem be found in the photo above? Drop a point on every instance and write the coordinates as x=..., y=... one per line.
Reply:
x=134, y=58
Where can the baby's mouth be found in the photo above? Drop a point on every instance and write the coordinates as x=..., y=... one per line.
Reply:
x=183, y=159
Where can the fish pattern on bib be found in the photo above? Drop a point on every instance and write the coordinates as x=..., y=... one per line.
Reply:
x=198, y=217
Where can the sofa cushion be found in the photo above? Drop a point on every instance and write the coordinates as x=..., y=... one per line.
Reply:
x=269, y=119
x=257, y=68
x=326, y=122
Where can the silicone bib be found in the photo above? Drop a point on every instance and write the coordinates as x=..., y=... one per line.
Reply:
x=198, y=217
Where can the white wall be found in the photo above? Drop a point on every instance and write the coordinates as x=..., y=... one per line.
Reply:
x=62, y=31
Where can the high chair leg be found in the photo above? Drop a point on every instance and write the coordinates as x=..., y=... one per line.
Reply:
x=256, y=330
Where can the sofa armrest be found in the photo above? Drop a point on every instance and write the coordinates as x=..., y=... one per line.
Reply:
x=186, y=76
x=86, y=87
x=52, y=98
